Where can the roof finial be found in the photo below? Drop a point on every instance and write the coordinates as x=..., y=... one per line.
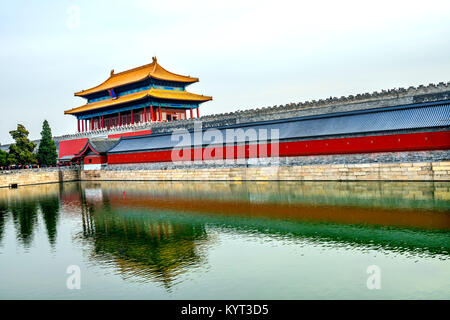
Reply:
x=112, y=72
x=154, y=59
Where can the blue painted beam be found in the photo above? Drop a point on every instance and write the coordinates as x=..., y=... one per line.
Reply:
x=137, y=106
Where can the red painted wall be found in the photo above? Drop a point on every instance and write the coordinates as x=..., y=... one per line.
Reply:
x=95, y=160
x=71, y=147
x=130, y=134
x=384, y=143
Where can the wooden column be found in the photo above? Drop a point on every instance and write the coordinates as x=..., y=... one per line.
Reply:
x=160, y=115
x=151, y=114
x=103, y=122
x=145, y=114
x=198, y=114
x=120, y=120
x=82, y=125
x=132, y=117
x=191, y=114
x=78, y=120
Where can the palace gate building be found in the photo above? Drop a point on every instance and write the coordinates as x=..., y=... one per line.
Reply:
x=147, y=93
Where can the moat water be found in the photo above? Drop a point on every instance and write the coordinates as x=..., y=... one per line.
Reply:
x=229, y=240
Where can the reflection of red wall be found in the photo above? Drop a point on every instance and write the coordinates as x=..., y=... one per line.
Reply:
x=384, y=143
x=398, y=217
x=71, y=147
x=71, y=199
x=94, y=160
x=130, y=134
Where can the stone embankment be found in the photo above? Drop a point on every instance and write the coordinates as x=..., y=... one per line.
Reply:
x=38, y=176
x=406, y=171
x=418, y=171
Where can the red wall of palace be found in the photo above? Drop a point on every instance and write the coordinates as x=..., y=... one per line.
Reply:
x=95, y=159
x=130, y=134
x=384, y=143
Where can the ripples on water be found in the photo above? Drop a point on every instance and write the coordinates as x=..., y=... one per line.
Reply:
x=224, y=240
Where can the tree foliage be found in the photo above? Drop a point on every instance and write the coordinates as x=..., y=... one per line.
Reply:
x=3, y=158
x=46, y=154
x=21, y=152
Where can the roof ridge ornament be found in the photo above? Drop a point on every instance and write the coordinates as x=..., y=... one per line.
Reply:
x=155, y=63
x=111, y=73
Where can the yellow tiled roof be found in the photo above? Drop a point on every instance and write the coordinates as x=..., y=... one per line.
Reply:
x=177, y=95
x=156, y=93
x=152, y=70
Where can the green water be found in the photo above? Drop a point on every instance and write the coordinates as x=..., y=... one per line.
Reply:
x=227, y=240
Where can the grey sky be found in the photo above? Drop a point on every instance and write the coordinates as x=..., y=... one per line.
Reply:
x=247, y=54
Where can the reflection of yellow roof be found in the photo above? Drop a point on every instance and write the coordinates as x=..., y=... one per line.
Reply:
x=155, y=93
x=152, y=70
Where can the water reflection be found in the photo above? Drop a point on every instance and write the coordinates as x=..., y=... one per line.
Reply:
x=23, y=208
x=24, y=215
x=156, y=231
x=50, y=213
x=138, y=245
x=3, y=213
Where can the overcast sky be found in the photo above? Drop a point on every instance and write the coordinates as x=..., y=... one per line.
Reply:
x=247, y=54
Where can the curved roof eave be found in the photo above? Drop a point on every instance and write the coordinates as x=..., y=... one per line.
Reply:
x=152, y=70
x=154, y=93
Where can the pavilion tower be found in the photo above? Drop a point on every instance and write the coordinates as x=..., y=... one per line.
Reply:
x=144, y=94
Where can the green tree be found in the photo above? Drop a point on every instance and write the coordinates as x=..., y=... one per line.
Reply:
x=21, y=152
x=3, y=158
x=46, y=154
